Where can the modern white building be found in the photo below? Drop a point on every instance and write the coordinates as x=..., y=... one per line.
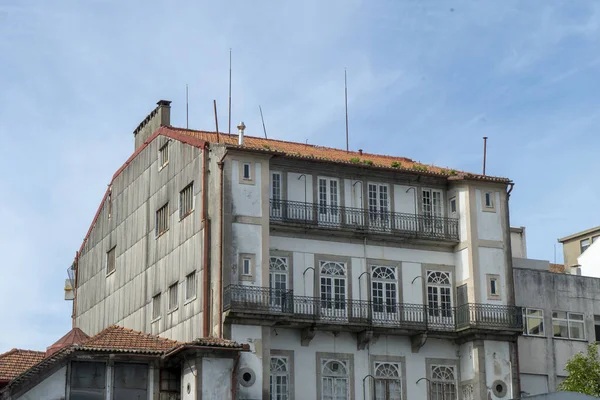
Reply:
x=350, y=275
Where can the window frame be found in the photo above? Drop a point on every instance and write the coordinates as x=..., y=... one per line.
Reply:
x=289, y=356
x=187, y=298
x=401, y=365
x=484, y=204
x=252, y=259
x=113, y=251
x=170, y=307
x=569, y=321
x=156, y=299
x=251, y=170
x=526, y=318
x=589, y=243
x=182, y=199
x=73, y=389
x=453, y=206
x=431, y=363
x=158, y=233
x=163, y=161
x=347, y=358
x=491, y=295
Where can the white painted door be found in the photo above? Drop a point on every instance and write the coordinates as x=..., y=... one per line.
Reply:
x=333, y=290
x=276, y=199
x=384, y=294
x=432, y=211
x=329, y=210
x=379, y=206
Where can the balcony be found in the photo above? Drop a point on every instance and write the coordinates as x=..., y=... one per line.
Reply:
x=284, y=308
x=310, y=215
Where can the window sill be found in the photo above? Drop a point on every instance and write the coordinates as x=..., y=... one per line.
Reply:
x=489, y=209
x=161, y=234
x=182, y=217
x=111, y=272
x=160, y=168
x=188, y=301
x=247, y=181
x=534, y=336
x=155, y=320
x=569, y=339
x=247, y=278
x=172, y=310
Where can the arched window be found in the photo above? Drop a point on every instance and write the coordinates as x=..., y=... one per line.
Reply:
x=334, y=380
x=384, y=289
x=278, y=280
x=439, y=294
x=279, y=381
x=333, y=285
x=443, y=382
x=388, y=385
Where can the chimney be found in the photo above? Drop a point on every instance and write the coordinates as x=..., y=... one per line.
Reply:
x=241, y=128
x=360, y=151
x=160, y=116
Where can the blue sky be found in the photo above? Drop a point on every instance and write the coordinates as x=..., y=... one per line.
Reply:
x=427, y=79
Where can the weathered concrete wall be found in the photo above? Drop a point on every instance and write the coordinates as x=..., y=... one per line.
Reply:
x=542, y=358
x=145, y=265
x=52, y=387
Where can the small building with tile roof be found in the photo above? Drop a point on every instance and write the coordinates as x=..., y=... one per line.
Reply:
x=121, y=363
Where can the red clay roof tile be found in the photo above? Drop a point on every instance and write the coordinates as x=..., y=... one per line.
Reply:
x=16, y=361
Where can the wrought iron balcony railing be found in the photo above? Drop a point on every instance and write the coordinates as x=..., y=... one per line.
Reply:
x=324, y=309
x=359, y=219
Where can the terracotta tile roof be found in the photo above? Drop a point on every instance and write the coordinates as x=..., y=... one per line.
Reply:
x=16, y=361
x=117, y=338
x=74, y=336
x=557, y=268
x=321, y=153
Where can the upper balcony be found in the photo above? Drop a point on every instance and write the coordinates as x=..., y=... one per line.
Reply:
x=359, y=220
x=256, y=305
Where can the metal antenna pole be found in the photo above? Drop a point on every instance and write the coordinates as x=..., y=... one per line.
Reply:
x=216, y=120
x=229, y=130
x=346, y=103
x=187, y=115
x=263, y=121
x=484, y=152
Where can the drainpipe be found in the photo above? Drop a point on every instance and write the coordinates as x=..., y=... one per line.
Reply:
x=221, y=164
x=206, y=270
x=76, y=266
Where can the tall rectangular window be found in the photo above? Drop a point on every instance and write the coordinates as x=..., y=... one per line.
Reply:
x=279, y=380
x=568, y=325
x=162, y=220
x=88, y=380
x=186, y=201
x=276, y=191
x=111, y=260
x=163, y=156
x=443, y=382
x=130, y=381
x=489, y=200
x=246, y=171
x=156, y=307
x=190, y=286
x=173, y=301
x=534, y=322
x=453, y=205
x=585, y=243
x=597, y=327
x=246, y=266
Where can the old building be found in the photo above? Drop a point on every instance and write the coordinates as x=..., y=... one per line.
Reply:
x=122, y=364
x=350, y=275
x=17, y=361
x=574, y=245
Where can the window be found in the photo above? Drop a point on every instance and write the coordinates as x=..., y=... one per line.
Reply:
x=585, y=243
x=246, y=266
x=109, y=200
x=163, y=156
x=279, y=381
x=88, y=380
x=493, y=286
x=388, y=383
x=443, y=382
x=439, y=294
x=594, y=238
x=334, y=380
x=173, y=303
x=378, y=205
x=568, y=325
x=170, y=382
x=162, y=220
x=329, y=212
x=453, y=205
x=130, y=381
x=186, y=201
x=333, y=288
x=597, y=327
x=384, y=289
x=278, y=280
x=276, y=194
x=111, y=260
x=534, y=322
x=246, y=172
x=462, y=295
x=489, y=200
x=156, y=307
x=431, y=208
x=190, y=286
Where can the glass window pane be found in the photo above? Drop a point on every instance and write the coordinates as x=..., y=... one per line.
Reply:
x=577, y=317
x=531, y=311
x=560, y=328
x=130, y=381
x=88, y=380
x=576, y=330
x=559, y=314
x=535, y=326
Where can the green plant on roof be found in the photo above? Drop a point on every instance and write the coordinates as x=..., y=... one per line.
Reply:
x=444, y=171
x=417, y=167
x=452, y=172
x=396, y=164
x=367, y=162
x=266, y=146
x=354, y=160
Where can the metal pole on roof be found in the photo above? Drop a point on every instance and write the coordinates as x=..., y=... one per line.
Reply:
x=346, y=103
x=263, y=121
x=187, y=116
x=216, y=120
x=484, y=152
x=229, y=130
